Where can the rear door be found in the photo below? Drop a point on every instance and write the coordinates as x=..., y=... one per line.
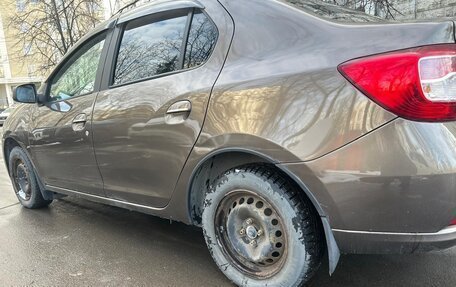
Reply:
x=158, y=84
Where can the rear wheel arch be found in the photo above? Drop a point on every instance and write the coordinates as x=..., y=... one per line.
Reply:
x=220, y=161
x=217, y=162
x=210, y=168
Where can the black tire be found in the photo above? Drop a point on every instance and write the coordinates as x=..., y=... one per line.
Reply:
x=301, y=238
x=24, y=180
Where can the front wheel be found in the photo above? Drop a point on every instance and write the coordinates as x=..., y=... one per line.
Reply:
x=24, y=180
x=260, y=230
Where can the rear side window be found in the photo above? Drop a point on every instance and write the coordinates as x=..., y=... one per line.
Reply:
x=149, y=49
x=201, y=40
x=156, y=45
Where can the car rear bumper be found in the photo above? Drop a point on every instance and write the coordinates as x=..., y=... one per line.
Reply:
x=392, y=190
x=362, y=242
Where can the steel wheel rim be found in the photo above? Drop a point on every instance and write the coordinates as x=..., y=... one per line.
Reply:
x=21, y=178
x=251, y=233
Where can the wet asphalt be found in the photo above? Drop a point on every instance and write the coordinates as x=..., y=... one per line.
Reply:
x=75, y=242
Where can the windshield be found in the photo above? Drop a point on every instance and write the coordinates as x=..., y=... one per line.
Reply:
x=333, y=12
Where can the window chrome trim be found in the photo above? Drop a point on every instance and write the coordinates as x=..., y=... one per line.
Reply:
x=157, y=7
x=104, y=200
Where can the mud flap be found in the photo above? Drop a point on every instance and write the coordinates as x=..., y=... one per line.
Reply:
x=333, y=249
x=47, y=195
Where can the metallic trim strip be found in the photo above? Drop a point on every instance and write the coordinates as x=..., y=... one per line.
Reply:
x=447, y=230
x=102, y=199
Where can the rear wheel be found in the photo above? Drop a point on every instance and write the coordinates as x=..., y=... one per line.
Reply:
x=24, y=180
x=259, y=229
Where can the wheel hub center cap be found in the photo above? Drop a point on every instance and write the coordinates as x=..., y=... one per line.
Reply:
x=252, y=232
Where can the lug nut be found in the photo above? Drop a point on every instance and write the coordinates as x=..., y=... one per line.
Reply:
x=253, y=243
x=242, y=231
x=259, y=232
x=249, y=221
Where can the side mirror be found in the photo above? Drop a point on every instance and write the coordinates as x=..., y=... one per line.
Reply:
x=25, y=94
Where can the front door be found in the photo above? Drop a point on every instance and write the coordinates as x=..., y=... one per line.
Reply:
x=61, y=140
x=148, y=119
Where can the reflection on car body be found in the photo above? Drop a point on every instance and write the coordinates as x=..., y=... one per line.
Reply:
x=283, y=129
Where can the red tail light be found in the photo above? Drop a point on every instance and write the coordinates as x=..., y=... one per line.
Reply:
x=417, y=84
x=453, y=222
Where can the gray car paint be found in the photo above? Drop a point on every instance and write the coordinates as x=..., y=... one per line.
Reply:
x=278, y=99
x=158, y=143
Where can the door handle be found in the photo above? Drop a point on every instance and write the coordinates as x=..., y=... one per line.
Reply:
x=79, y=122
x=180, y=107
x=81, y=118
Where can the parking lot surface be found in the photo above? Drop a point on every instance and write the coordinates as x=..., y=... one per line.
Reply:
x=75, y=242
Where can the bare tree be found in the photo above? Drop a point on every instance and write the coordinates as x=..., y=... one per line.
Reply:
x=382, y=8
x=129, y=5
x=47, y=29
x=115, y=7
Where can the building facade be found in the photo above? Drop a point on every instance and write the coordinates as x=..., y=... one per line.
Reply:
x=21, y=57
x=424, y=9
x=15, y=66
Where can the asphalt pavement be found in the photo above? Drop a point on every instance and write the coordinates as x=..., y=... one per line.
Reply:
x=75, y=242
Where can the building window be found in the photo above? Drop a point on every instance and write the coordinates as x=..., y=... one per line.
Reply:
x=20, y=5
x=23, y=27
x=31, y=70
x=27, y=48
x=3, y=100
x=93, y=7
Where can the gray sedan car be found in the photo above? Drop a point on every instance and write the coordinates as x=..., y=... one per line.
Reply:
x=283, y=128
x=4, y=115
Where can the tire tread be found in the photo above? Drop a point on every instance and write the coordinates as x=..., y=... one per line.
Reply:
x=310, y=225
x=37, y=200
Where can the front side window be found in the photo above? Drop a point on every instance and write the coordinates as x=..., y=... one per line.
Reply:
x=77, y=76
x=149, y=49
